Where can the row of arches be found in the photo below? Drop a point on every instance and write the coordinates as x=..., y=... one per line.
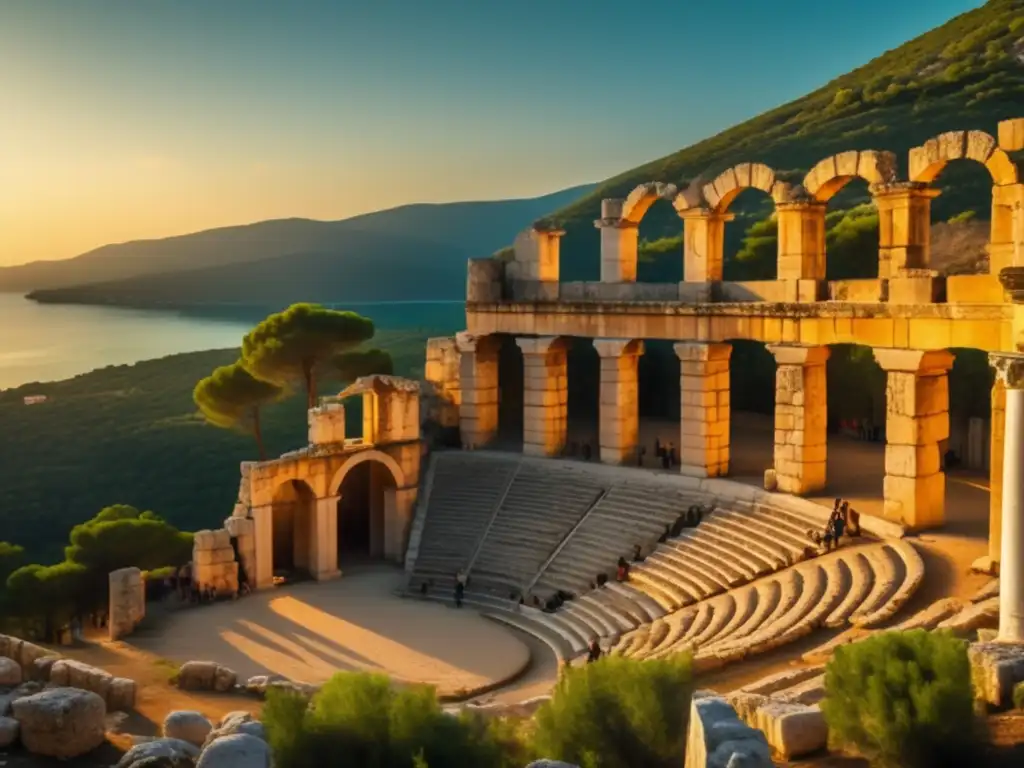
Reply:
x=795, y=237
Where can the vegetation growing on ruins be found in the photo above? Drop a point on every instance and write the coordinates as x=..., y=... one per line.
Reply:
x=131, y=434
x=903, y=699
x=615, y=713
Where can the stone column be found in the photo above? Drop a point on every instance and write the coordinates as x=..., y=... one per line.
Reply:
x=478, y=377
x=263, y=518
x=801, y=417
x=703, y=244
x=997, y=427
x=1005, y=234
x=904, y=227
x=801, y=242
x=619, y=240
x=545, y=395
x=704, y=408
x=323, y=556
x=619, y=431
x=916, y=422
x=400, y=506
x=1010, y=370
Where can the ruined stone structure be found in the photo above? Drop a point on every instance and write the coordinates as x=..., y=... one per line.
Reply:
x=295, y=513
x=127, y=602
x=909, y=315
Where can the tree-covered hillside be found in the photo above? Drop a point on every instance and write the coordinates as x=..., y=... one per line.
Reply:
x=966, y=74
x=131, y=434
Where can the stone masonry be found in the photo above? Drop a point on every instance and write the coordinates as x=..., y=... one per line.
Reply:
x=801, y=417
x=619, y=428
x=127, y=602
x=916, y=422
x=213, y=562
x=545, y=395
x=704, y=408
x=478, y=374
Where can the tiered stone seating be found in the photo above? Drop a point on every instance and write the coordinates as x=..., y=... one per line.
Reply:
x=463, y=495
x=856, y=584
x=539, y=510
x=627, y=515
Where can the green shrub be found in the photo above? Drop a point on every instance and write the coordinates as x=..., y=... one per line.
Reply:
x=903, y=699
x=618, y=713
x=359, y=719
x=1018, y=696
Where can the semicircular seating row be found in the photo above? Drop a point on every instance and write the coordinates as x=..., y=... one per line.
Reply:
x=515, y=522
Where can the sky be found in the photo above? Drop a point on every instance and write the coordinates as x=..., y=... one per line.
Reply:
x=131, y=119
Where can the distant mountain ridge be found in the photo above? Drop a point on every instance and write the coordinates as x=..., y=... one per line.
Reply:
x=463, y=228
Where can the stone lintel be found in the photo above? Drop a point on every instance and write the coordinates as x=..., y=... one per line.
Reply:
x=546, y=228
x=698, y=351
x=615, y=224
x=1009, y=368
x=905, y=189
x=537, y=345
x=914, y=360
x=618, y=347
x=705, y=213
x=801, y=205
x=799, y=354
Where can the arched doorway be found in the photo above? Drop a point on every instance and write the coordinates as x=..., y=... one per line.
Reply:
x=366, y=501
x=293, y=511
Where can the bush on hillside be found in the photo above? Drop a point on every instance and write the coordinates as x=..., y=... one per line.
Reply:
x=359, y=719
x=903, y=699
x=618, y=713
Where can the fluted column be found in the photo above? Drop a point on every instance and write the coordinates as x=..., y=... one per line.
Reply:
x=801, y=417
x=1010, y=370
x=916, y=422
x=478, y=378
x=704, y=414
x=619, y=430
x=545, y=395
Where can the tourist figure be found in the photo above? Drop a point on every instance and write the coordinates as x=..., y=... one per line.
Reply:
x=460, y=587
x=838, y=525
x=593, y=651
x=602, y=579
x=622, y=572
x=637, y=554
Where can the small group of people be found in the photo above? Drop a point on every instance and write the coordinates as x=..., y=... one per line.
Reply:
x=691, y=518
x=844, y=519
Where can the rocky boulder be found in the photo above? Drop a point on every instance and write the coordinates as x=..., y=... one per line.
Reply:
x=236, y=722
x=10, y=672
x=75, y=674
x=61, y=722
x=716, y=737
x=238, y=751
x=995, y=669
x=188, y=726
x=171, y=753
x=8, y=731
x=206, y=676
x=792, y=730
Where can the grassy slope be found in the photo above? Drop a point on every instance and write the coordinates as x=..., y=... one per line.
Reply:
x=130, y=434
x=966, y=74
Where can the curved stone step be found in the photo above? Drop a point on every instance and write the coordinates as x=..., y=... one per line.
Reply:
x=558, y=646
x=913, y=575
x=591, y=617
x=636, y=599
x=746, y=603
x=780, y=681
x=665, y=595
x=861, y=582
x=690, y=582
x=731, y=558
x=686, y=558
x=723, y=609
x=758, y=558
x=887, y=574
x=973, y=617
x=809, y=691
x=573, y=640
x=768, y=593
x=932, y=616
x=619, y=619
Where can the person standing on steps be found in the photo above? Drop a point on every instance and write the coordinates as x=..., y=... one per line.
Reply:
x=460, y=587
x=593, y=651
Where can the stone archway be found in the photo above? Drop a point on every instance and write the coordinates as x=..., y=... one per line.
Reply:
x=293, y=515
x=366, y=490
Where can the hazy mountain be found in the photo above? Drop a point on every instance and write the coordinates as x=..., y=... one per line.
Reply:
x=459, y=229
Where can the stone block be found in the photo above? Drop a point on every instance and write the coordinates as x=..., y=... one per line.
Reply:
x=717, y=737
x=240, y=527
x=202, y=540
x=1011, y=135
x=912, y=460
x=921, y=431
x=792, y=730
x=995, y=669
x=916, y=502
x=206, y=557
x=912, y=291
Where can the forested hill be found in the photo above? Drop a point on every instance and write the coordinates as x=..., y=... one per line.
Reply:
x=966, y=74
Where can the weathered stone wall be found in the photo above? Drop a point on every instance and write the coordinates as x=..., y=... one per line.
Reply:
x=326, y=424
x=127, y=602
x=625, y=291
x=441, y=402
x=484, y=280
x=243, y=531
x=716, y=737
x=213, y=562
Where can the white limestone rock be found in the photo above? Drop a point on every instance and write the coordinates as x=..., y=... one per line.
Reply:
x=75, y=674
x=42, y=667
x=995, y=669
x=8, y=731
x=206, y=676
x=188, y=726
x=237, y=751
x=168, y=749
x=718, y=739
x=793, y=730
x=236, y=722
x=61, y=722
x=10, y=672
x=121, y=697
x=974, y=617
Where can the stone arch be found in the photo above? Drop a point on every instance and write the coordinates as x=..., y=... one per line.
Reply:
x=643, y=197
x=293, y=526
x=727, y=186
x=928, y=160
x=833, y=173
x=359, y=458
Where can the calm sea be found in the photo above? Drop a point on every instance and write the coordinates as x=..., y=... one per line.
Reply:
x=47, y=342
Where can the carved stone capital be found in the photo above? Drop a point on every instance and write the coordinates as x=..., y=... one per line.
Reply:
x=1009, y=368
x=1012, y=280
